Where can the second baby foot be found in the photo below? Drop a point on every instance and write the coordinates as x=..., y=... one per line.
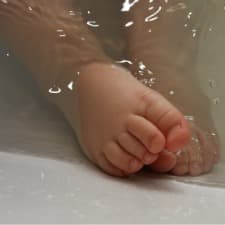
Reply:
x=164, y=56
x=121, y=124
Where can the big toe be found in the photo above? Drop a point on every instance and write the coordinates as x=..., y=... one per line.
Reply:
x=165, y=162
x=170, y=121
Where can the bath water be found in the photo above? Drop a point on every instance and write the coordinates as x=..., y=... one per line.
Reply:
x=204, y=25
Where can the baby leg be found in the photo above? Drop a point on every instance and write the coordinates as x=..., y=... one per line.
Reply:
x=163, y=50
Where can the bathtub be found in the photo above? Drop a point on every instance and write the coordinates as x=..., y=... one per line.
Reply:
x=44, y=177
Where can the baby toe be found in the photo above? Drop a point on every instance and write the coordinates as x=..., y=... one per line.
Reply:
x=208, y=149
x=165, y=162
x=108, y=167
x=148, y=134
x=182, y=163
x=133, y=146
x=121, y=159
x=168, y=119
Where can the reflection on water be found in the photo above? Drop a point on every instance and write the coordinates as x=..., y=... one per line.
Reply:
x=201, y=27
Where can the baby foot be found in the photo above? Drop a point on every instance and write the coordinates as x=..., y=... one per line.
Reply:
x=121, y=124
x=202, y=152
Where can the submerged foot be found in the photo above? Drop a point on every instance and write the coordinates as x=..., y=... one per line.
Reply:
x=123, y=125
x=164, y=54
x=202, y=152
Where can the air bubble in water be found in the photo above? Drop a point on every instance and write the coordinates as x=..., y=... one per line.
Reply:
x=123, y=61
x=216, y=101
x=71, y=85
x=127, y=5
x=189, y=15
x=142, y=66
x=189, y=118
x=172, y=92
x=194, y=32
x=195, y=139
x=92, y=23
x=61, y=33
x=128, y=24
x=72, y=13
x=212, y=83
x=55, y=90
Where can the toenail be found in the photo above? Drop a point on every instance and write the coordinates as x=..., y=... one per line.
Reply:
x=135, y=165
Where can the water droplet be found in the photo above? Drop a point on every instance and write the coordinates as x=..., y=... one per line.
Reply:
x=55, y=90
x=172, y=92
x=71, y=85
x=212, y=83
x=189, y=118
x=189, y=15
x=148, y=81
x=128, y=24
x=62, y=35
x=123, y=61
x=154, y=16
x=216, y=101
x=92, y=23
x=142, y=66
x=195, y=139
x=61, y=32
x=127, y=5
x=194, y=32
x=72, y=13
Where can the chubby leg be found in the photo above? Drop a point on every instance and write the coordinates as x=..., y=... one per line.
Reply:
x=49, y=38
x=163, y=43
